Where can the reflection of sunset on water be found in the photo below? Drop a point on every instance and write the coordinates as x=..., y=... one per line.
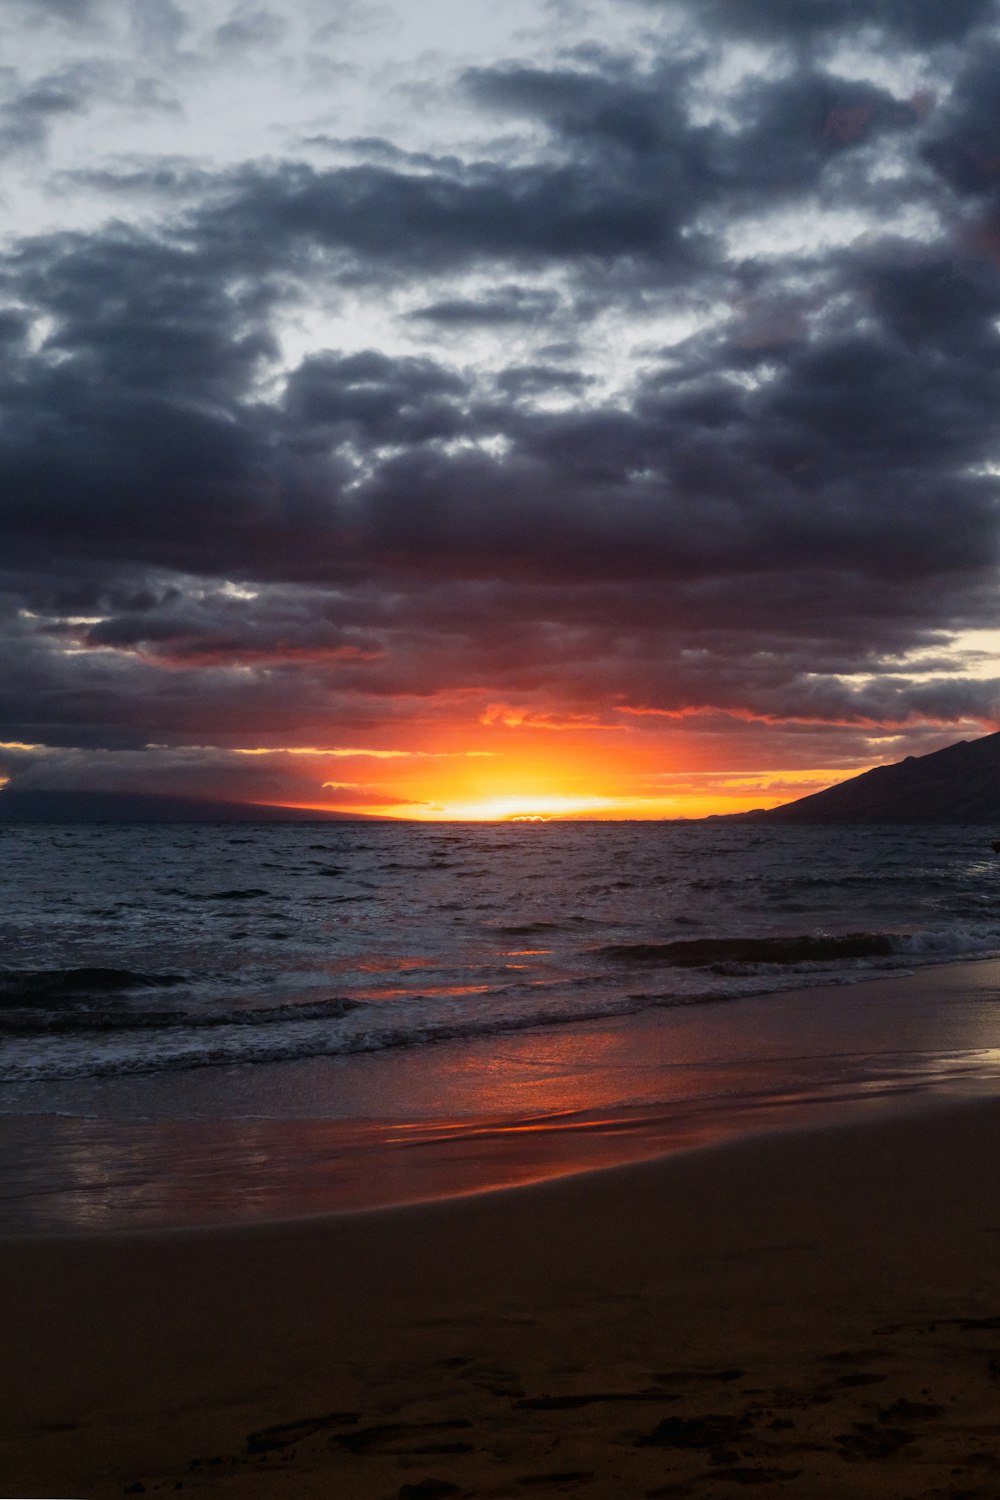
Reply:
x=187, y=1173
x=497, y=1113
x=389, y=992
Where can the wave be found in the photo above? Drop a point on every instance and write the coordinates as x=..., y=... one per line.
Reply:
x=30, y=987
x=127, y=1056
x=251, y=893
x=64, y=1023
x=957, y=940
x=573, y=922
x=527, y=929
x=696, y=953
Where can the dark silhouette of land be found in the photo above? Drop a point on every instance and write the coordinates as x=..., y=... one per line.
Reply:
x=134, y=807
x=960, y=784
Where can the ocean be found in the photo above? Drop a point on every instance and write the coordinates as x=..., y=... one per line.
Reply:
x=209, y=1023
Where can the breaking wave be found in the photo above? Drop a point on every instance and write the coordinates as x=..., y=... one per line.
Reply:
x=40, y=987
x=696, y=953
x=63, y=1022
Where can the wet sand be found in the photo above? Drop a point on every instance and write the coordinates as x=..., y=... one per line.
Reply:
x=813, y=1312
x=375, y=1130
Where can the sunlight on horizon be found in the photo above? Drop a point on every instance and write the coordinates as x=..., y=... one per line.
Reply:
x=548, y=807
x=585, y=781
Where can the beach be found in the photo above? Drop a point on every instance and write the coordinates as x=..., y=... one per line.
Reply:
x=813, y=1310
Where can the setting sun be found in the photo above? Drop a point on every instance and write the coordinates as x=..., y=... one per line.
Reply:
x=512, y=806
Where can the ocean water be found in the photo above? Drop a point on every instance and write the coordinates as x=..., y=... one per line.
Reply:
x=178, y=1003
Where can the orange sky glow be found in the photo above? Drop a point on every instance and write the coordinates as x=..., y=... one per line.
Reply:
x=505, y=771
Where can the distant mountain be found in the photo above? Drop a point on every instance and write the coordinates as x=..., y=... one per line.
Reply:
x=960, y=784
x=134, y=807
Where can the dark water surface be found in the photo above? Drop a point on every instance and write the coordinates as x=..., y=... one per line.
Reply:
x=205, y=1022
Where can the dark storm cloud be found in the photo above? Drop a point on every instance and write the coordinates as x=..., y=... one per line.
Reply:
x=29, y=108
x=124, y=699
x=638, y=122
x=157, y=393
x=798, y=125
x=120, y=436
x=423, y=223
x=921, y=22
x=199, y=771
x=147, y=314
x=375, y=399
x=218, y=629
x=635, y=175
x=377, y=149
x=641, y=116
x=170, y=180
x=14, y=326
x=626, y=175
x=965, y=144
x=507, y=304
x=693, y=475
x=533, y=380
x=938, y=303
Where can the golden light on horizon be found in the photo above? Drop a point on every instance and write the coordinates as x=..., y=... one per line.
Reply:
x=528, y=773
x=505, y=807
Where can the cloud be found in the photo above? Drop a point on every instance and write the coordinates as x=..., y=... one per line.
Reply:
x=375, y=400
x=75, y=13
x=507, y=304
x=926, y=24
x=534, y=380
x=30, y=107
x=199, y=772
x=250, y=26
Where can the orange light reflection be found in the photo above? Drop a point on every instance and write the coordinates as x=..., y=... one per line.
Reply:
x=428, y=989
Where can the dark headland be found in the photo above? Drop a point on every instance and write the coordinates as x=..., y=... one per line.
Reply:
x=960, y=784
x=30, y=806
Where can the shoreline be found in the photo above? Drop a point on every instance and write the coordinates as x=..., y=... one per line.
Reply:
x=382, y=1167
x=435, y=1122
x=817, y=1309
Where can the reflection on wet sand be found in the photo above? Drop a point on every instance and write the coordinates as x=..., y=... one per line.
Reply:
x=101, y=1175
x=236, y=1145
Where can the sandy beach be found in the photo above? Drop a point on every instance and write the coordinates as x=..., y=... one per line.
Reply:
x=814, y=1311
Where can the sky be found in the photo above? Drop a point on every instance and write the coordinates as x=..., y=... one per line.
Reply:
x=440, y=409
